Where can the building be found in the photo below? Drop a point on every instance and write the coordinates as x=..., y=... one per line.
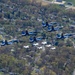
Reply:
x=58, y=0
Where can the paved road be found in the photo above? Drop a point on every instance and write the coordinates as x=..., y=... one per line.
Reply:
x=53, y=2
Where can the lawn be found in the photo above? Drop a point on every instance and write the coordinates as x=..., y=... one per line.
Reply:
x=1, y=73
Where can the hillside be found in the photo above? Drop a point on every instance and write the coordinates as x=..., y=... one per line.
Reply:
x=36, y=39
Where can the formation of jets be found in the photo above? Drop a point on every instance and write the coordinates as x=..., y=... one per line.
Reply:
x=51, y=27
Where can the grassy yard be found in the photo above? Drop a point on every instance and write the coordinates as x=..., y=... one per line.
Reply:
x=1, y=73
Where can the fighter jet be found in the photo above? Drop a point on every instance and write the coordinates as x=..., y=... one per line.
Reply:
x=62, y=36
x=25, y=33
x=35, y=39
